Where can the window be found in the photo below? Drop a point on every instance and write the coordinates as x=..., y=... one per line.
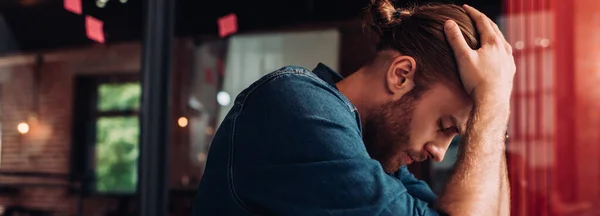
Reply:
x=107, y=113
x=117, y=137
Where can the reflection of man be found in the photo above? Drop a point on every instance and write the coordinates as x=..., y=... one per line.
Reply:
x=295, y=144
x=547, y=200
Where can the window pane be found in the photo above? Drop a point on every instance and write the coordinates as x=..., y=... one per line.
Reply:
x=117, y=152
x=122, y=96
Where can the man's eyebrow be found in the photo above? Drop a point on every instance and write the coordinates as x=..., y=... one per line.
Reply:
x=459, y=129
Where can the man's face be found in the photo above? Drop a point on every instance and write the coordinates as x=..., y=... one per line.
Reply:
x=418, y=126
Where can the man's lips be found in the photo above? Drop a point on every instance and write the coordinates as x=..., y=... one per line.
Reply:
x=421, y=159
x=409, y=159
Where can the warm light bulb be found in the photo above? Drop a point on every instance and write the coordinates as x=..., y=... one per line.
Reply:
x=23, y=128
x=182, y=121
x=209, y=131
x=201, y=157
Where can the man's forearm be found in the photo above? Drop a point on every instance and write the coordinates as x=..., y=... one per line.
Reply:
x=473, y=189
x=504, y=189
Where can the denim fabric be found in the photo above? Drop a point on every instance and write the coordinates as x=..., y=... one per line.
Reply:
x=292, y=145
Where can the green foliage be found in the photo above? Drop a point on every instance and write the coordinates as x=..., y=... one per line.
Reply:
x=117, y=138
x=123, y=96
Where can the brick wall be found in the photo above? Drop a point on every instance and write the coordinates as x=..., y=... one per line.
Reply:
x=48, y=108
x=46, y=147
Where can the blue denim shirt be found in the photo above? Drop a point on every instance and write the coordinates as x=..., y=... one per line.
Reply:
x=292, y=145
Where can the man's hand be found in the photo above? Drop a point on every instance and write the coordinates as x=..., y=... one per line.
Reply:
x=488, y=71
x=479, y=185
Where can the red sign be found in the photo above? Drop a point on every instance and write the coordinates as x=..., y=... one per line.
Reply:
x=73, y=6
x=94, y=29
x=227, y=25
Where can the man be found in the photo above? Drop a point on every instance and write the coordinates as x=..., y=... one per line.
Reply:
x=300, y=142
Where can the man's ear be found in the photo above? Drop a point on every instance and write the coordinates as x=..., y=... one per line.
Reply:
x=400, y=76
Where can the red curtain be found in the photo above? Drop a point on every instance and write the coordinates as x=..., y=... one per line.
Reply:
x=554, y=146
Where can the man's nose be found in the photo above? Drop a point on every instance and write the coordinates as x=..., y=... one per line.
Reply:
x=438, y=149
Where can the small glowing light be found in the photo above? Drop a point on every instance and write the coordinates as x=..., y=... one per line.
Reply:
x=519, y=45
x=23, y=128
x=201, y=157
x=123, y=1
x=185, y=180
x=223, y=98
x=209, y=131
x=182, y=121
x=544, y=42
x=101, y=3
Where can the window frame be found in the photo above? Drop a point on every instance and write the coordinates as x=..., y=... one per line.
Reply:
x=85, y=117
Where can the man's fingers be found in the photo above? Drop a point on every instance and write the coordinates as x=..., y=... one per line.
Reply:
x=500, y=35
x=486, y=31
x=455, y=38
x=497, y=30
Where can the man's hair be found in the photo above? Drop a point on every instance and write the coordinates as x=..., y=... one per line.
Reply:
x=418, y=31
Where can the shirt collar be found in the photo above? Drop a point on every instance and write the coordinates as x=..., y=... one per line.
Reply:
x=327, y=74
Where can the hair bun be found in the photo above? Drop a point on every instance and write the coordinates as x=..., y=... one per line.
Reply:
x=401, y=14
x=381, y=15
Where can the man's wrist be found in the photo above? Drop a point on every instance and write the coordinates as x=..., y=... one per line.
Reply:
x=487, y=103
x=489, y=121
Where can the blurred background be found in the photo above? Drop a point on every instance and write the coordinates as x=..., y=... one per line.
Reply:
x=70, y=95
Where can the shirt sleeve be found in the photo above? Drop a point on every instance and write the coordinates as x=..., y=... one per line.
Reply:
x=417, y=188
x=298, y=150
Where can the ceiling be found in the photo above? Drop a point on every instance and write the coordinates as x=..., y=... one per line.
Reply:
x=44, y=24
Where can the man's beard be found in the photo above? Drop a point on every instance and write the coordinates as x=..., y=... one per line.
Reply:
x=386, y=133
